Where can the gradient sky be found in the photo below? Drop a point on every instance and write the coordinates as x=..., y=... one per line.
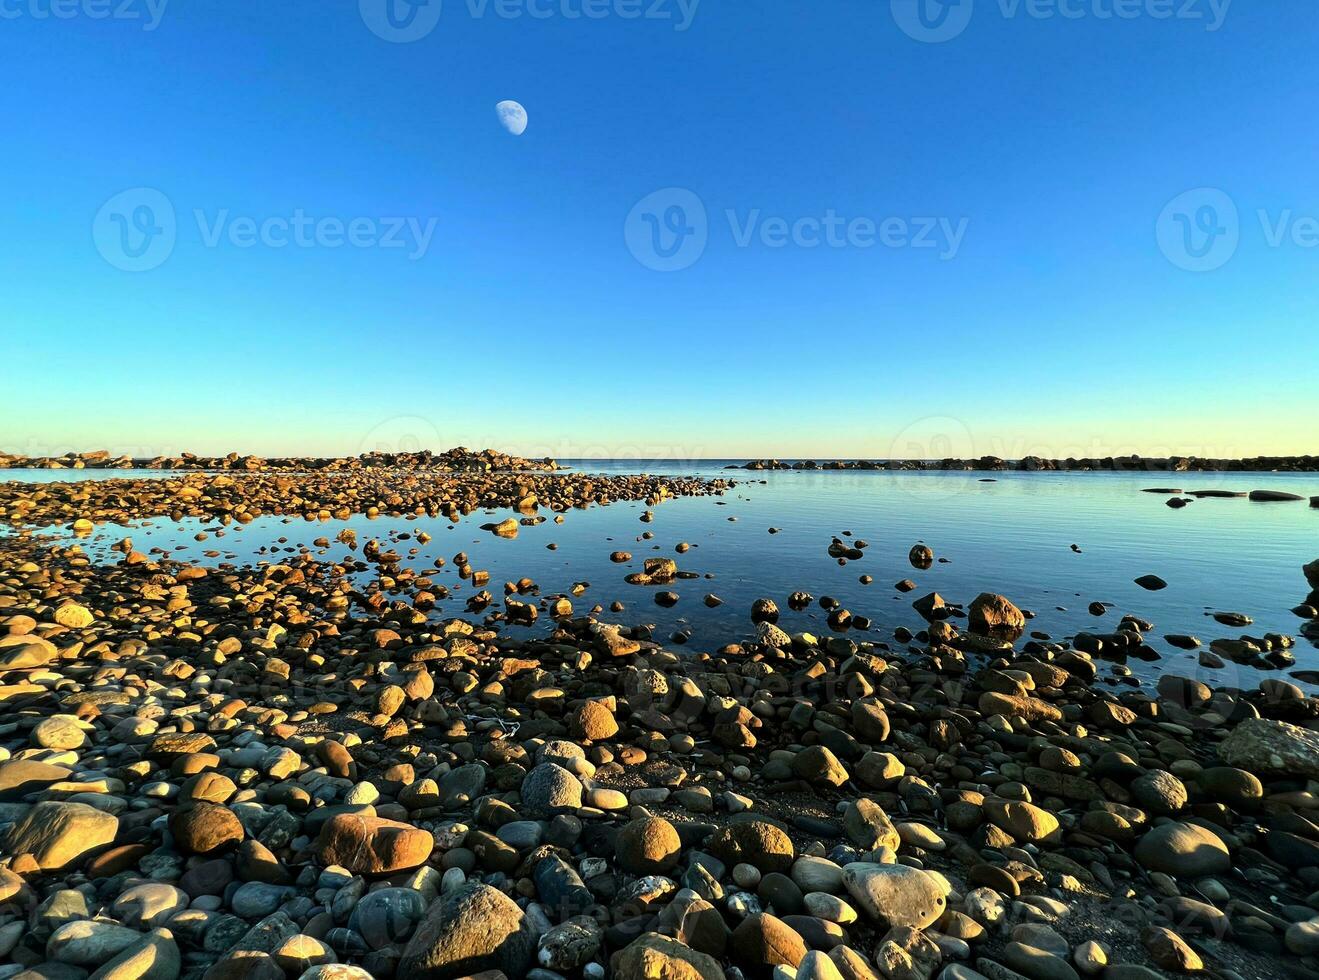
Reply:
x=1065, y=322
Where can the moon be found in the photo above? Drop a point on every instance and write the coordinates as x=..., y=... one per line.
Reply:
x=512, y=116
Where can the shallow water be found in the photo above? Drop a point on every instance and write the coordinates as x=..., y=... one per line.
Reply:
x=1011, y=535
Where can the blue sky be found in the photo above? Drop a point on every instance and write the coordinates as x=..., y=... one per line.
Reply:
x=1009, y=270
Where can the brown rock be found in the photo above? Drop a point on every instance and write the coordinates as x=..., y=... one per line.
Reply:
x=763, y=941
x=592, y=722
x=991, y=614
x=205, y=828
x=372, y=845
x=649, y=846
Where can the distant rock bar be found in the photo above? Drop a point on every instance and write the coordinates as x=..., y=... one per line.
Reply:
x=1148, y=464
x=458, y=460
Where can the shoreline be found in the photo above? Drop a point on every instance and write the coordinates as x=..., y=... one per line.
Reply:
x=375, y=492
x=463, y=460
x=457, y=460
x=1037, y=464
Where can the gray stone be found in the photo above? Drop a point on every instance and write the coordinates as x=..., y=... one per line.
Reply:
x=256, y=899
x=549, y=789
x=89, y=943
x=388, y=916
x=1266, y=747
x=895, y=895
x=153, y=957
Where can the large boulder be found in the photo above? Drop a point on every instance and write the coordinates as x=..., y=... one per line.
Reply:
x=470, y=930
x=61, y=835
x=1265, y=747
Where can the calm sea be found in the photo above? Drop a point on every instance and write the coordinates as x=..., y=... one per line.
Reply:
x=1012, y=535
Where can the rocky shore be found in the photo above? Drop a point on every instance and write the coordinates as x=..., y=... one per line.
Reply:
x=300, y=770
x=1127, y=464
x=378, y=491
x=457, y=460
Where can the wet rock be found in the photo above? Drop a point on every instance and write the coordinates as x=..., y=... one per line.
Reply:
x=991, y=614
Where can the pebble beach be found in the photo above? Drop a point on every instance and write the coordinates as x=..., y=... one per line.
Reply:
x=338, y=761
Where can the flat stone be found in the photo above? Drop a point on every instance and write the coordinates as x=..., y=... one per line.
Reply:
x=61, y=835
